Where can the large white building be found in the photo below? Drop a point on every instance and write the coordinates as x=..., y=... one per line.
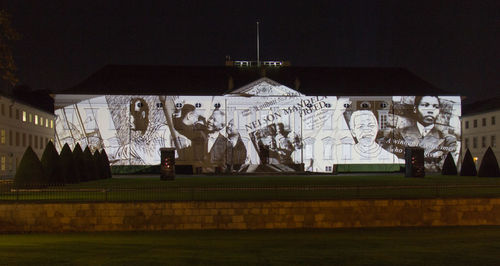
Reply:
x=21, y=125
x=481, y=128
x=260, y=118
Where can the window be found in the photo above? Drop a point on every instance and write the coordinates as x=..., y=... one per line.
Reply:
x=365, y=105
x=2, y=163
x=36, y=119
x=466, y=124
x=17, y=114
x=41, y=121
x=466, y=143
x=328, y=148
x=309, y=149
x=475, y=123
x=383, y=121
x=30, y=140
x=46, y=122
x=2, y=136
x=51, y=123
x=3, y=109
x=36, y=142
x=159, y=105
x=198, y=105
x=10, y=137
x=383, y=105
x=30, y=116
x=493, y=141
x=178, y=105
x=483, y=142
x=24, y=116
x=17, y=138
x=24, y=139
x=10, y=111
x=484, y=122
x=328, y=120
x=328, y=168
x=492, y=120
x=474, y=142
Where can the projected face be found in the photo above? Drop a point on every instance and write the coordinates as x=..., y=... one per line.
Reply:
x=364, y=127
x=427, y=110
x=215, y=121
x=139, y=112
x=231, y=129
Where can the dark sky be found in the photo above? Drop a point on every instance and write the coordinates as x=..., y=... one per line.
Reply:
x=452, y=44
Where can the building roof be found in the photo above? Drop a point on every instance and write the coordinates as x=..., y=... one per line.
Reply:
x=39, y=99
x=219, y=80
x=482, y=106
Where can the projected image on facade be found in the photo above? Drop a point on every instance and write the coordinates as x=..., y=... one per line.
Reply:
x=264, y=126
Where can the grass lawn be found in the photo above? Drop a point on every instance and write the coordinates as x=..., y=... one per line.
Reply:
x=376, y=246
x=277, y=187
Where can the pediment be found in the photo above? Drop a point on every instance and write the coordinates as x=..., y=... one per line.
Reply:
x=265, y=87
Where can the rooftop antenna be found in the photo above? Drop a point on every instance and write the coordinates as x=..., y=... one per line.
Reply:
x=258, y=56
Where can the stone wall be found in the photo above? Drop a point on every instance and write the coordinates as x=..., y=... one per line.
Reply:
x=70, y=217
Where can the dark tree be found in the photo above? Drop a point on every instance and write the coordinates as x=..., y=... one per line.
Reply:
x=98, y=165
x=29, y=172
x=489, y=165
x=7, y=36
x=449, y=166
x=50, y=164
x=468, y=165
x=90, y=165
x=79, y=162
x=106, y=165
x=67, y=163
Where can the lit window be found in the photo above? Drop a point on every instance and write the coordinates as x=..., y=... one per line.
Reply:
x=24, y=116
x=51, y=123
x=36, y=119
x=30, y=118
x=2, y=136
x=46, y=122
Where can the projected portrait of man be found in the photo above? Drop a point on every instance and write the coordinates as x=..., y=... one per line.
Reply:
x=364, y=127
x=236, y=150
x=139, y=115
x=426, y=134
x=192, y=127
x=216, y=142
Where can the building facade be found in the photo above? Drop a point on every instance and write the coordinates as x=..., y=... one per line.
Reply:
x=261, y=126
x=22, y=125
x=480, y=128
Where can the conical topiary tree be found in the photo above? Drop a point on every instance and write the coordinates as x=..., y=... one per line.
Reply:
x=105, y=164
x=79, y=162
x=449, y=166
x=489, y=165
x=67, y=163
x=50, y=164
x=90, y=165
x=29, y=172
x=98, y=165
x=468, y=165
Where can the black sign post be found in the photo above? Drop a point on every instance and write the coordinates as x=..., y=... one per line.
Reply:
x=414, y=162
x=167, y=165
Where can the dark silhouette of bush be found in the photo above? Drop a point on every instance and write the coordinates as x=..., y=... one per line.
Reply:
x=90, y=165
x=79, y=163
x=50, y=164
x=98, y=165
x=468, y=165
x=106, y=165
x=489, y=165
x=67, y=163
x=449, y=166
x=29, y=172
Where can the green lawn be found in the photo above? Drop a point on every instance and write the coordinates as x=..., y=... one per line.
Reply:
x=278, y=187
x=380, y=246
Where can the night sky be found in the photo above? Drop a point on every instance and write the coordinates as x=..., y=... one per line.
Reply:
x=452, y=44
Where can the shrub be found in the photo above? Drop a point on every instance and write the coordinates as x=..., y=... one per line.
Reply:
x=98, y=165
x=106, y=166
x=90, y=165
x=449, y=166
x=489, y=165
x=50, y=164
x=79, y=163
x=67, y=162
x=468, y=166
x=29, y=172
